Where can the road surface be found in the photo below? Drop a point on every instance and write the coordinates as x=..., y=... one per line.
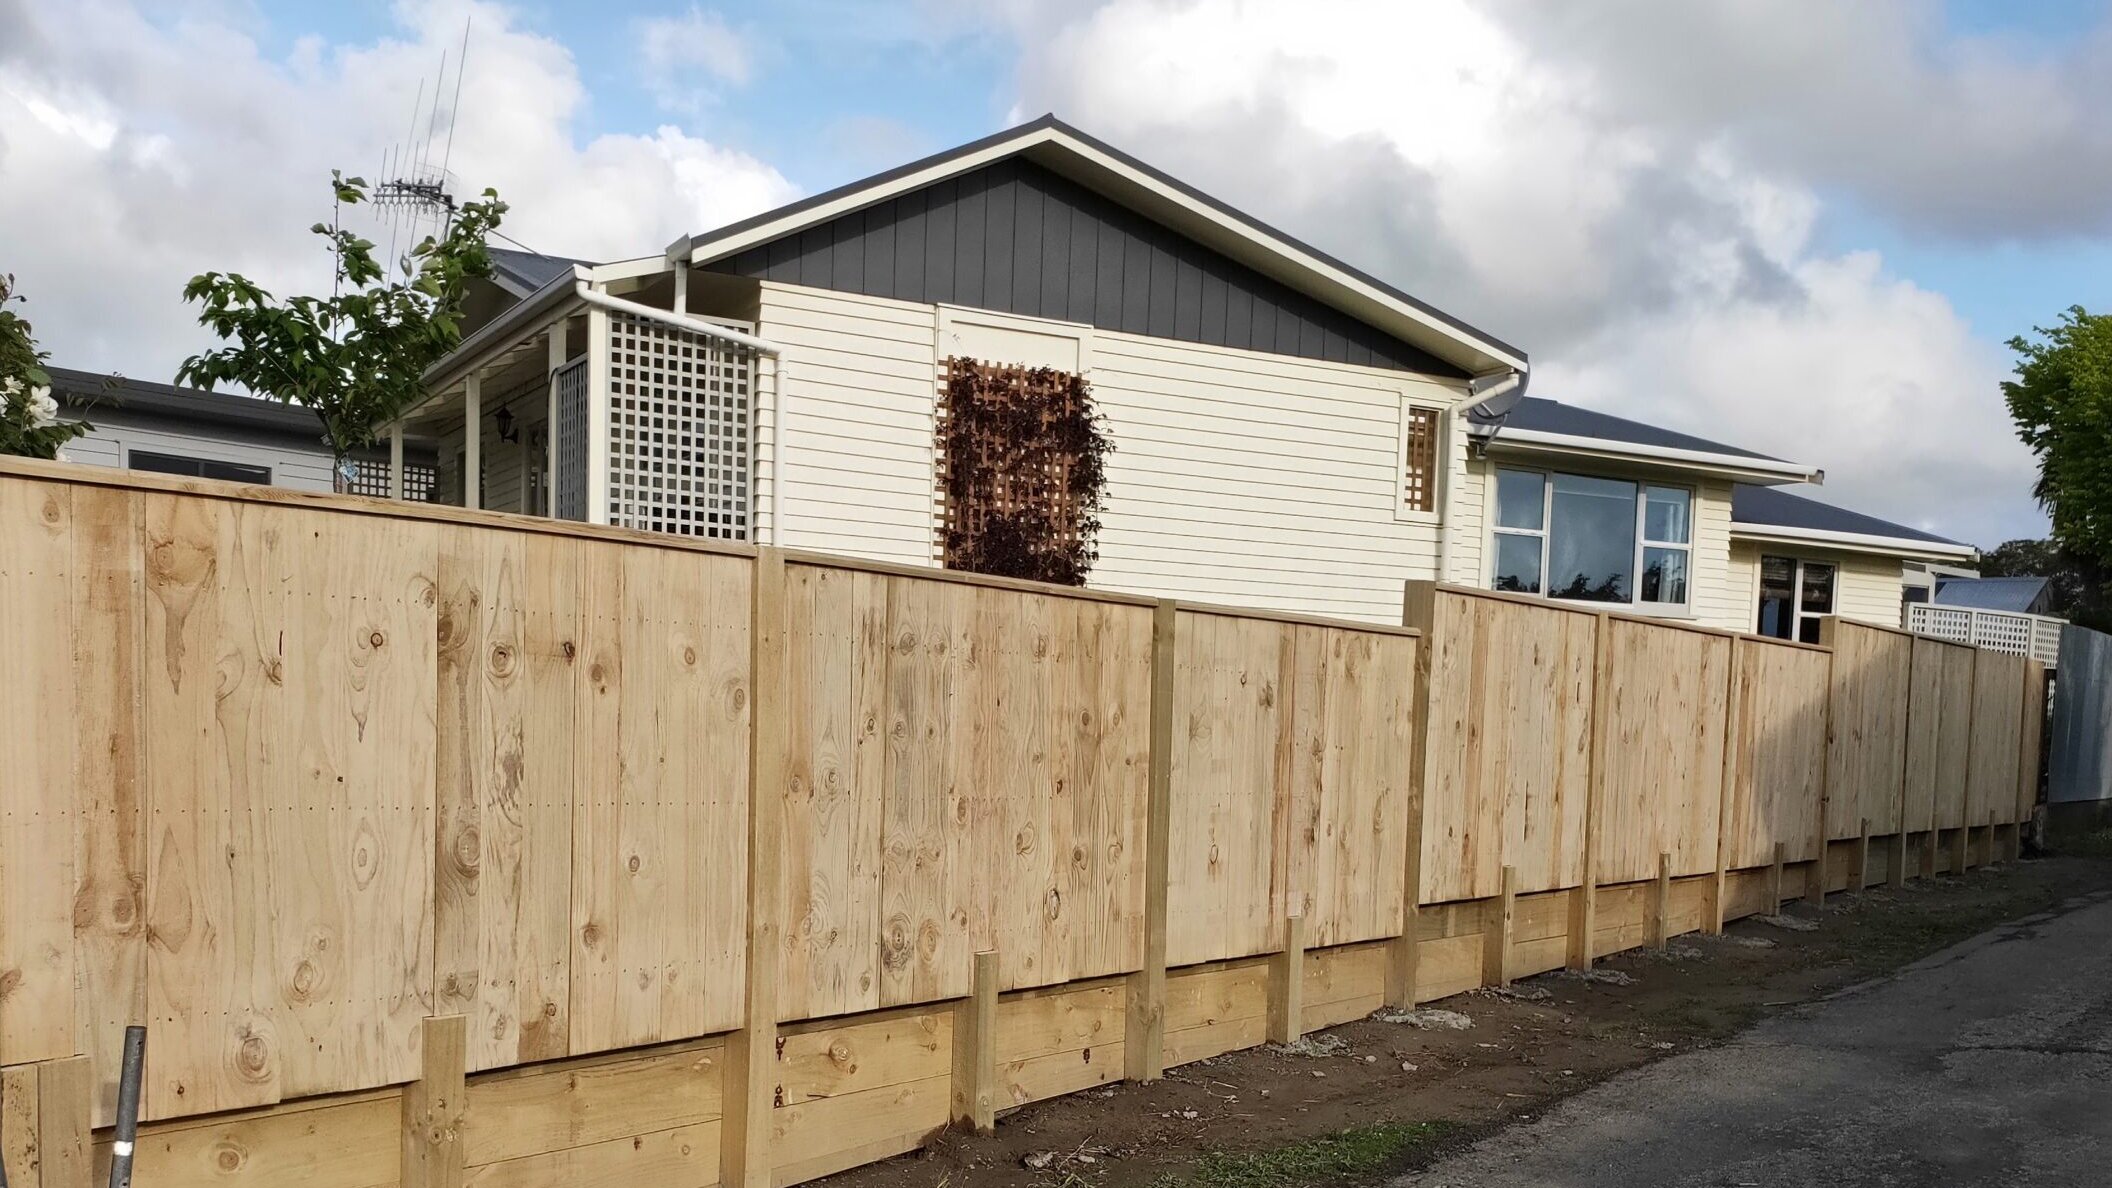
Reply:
x=1987, y=1064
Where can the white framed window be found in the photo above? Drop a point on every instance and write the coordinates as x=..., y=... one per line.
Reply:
x=1794, y=595
x=1593, y=539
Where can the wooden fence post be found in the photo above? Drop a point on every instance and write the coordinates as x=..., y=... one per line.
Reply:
x=1496, y=931
x=975, y=1049
x=1661, y=903
x=1861, y=859
x=1898, y=874
x=1584, y=901
x=1774, y=881
x=1418, y=610
x=1815, y=882
x=1144, y=1029
x=749, y=1091
x=1958, y=848
x=433, y=1105
x=1287, y=984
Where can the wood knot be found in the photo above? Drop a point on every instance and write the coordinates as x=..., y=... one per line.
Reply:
x=377, y=639
x=304, y=977
x=569, y=648
x=689, y=657
x=633, y=864
x=501, y=660
x=275, y=672
x=253, y=1057
x=227, y=1156
x=590, y=935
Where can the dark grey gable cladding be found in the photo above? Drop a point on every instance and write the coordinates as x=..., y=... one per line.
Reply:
x=1016, y=237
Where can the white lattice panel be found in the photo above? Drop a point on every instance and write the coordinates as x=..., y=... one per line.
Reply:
x=572, y=430
x=1941, y=622
x=680, y=409
x=2003, y=633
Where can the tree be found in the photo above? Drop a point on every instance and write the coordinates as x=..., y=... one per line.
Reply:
x=2061, y=401
x=29, y=417
x=358, y=356
x=2078, y=585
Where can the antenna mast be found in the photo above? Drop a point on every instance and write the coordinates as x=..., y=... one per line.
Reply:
x=412, y=188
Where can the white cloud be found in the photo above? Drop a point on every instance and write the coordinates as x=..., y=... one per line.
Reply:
x=688, y=57
x=135, y=153
x=1650, y=267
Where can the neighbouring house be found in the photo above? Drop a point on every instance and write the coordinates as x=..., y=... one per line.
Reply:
x=1288, y=431
x=1800, y=557
x=196, y=433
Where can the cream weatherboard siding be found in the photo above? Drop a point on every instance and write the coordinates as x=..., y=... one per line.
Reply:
x=506, y=463
x=1867, y=589
x=1237, y=477
x=857, y=391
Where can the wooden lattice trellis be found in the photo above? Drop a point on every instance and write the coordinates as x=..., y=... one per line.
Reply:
x=1419, y=459
x=1021, y=465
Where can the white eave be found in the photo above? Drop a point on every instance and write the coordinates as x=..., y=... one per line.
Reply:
x=1742, y=467
x=1854, y=542
x=1064, y=150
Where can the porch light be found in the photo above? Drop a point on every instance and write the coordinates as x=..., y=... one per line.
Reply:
x=503, y=420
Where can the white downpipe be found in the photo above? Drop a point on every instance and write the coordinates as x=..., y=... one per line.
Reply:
x=595, y=297
x=1499, y=388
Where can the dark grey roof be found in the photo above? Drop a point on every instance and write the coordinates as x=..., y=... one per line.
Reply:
x=2018, y=594
x=1552, y=416
x=527, y=271
x=83, y=392
x=1051, y=122
x=1775, y=508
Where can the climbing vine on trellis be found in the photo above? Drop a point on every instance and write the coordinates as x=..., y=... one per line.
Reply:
x=1022, y=470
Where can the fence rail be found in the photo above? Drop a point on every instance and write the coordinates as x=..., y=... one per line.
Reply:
x=592, y=857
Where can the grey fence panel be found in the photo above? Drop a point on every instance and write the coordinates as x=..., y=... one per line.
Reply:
x=2079, y=747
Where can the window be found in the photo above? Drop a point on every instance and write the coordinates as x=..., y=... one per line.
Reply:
x=234, y=472
x=1592, y=539
x=1794, y=596
x=1419, y=454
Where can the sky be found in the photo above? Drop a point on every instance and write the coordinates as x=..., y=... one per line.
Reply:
x=1802, y=229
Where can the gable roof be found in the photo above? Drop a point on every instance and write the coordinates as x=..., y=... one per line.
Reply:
x=1767, y=511
x=2019, y=594
x=1057, y=148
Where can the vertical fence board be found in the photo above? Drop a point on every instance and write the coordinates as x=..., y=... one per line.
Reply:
x=1997, y=730
x=1867, y=741
x=1665, y=740
x=1779, y=709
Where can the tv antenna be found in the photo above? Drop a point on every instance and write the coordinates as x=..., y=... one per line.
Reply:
x=415, y=195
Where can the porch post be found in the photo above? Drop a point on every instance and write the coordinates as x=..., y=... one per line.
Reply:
x=597, y=415
x=557, y=363
x=473, y=441
x=396, y=460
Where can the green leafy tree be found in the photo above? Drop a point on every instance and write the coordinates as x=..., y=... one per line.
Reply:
x=2078, y=586
x=29, y=417
x=357, y=356
x=2061, y=400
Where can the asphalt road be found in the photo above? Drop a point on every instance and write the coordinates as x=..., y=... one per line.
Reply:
x=1989, y=1063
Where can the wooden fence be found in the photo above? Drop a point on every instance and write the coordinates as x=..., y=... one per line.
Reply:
x=440, y=847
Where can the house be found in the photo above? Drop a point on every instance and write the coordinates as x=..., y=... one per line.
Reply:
x=2017, y=595
x=1288, y=431
x=202, y=434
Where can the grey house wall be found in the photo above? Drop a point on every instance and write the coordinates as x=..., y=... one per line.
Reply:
x=117, y=433
x=1018, y=238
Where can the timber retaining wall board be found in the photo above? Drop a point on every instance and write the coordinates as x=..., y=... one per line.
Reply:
x=340, y=796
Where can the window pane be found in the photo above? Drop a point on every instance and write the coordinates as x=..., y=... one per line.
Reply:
x=1665, y=514
x=1808, y=631
x=1591, y=539
x=1778, y=595
x=1665, y=576
x=1817, y=595
x=1517, y=563
x=1520, y=496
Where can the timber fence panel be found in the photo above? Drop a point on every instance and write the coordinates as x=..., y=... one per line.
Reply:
x=1997, y=728
x=2031, y=753
x=1778, y=770
x=1937, y=736
x=1665, y=736
x=969, y=771
x=1508, y=759
x=1867, y=735
x=1290, y=783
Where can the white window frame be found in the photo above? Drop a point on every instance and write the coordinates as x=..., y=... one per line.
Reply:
x=1797, y=613
x=1642, y=543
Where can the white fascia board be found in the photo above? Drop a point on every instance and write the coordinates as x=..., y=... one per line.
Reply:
x=1487, y=355
x=1854, y=542
x=618, y=270
x=527, y=317
x=1763, y=470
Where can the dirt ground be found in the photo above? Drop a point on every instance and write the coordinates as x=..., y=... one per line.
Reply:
x=1369, y=1098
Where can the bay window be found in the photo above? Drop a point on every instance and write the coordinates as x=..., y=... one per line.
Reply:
x=1592, y=539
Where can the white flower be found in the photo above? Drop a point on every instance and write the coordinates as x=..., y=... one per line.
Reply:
x=60, y=456
x=43, y=410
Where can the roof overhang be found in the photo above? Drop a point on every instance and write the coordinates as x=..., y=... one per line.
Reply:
x=1855, y=542
x=555, y=299
x=1744, y=468
x=1050, y=143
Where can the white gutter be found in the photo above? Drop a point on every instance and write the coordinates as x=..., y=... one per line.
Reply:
x=1789, y=471
x=1863, y=541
